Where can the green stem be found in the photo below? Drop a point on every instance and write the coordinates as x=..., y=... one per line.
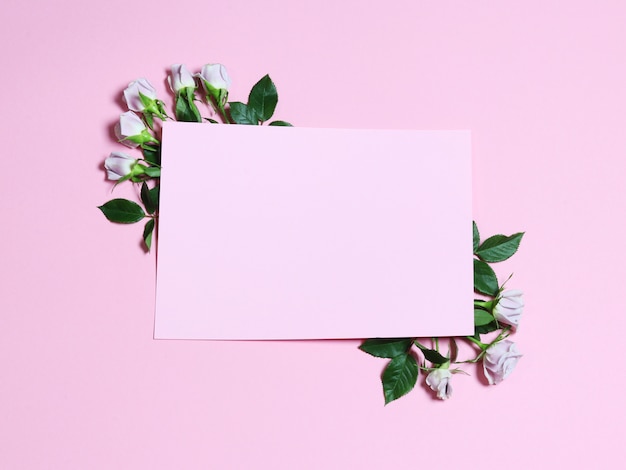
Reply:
x=480, y=344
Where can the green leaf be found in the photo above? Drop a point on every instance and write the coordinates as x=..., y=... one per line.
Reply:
x=280, y=123
x=485, y=280
x=499, y=247
x=150, y=198
x=433, y=356
x=185, y=109
x=153, y=171
x=147, y=233
x=386, y=347
x=241, y=114
x=484, y=329
x=476, y=236
x=399, y=377
x=482, y=317
x=152, y=154
x=263, y=98
x=122, y=211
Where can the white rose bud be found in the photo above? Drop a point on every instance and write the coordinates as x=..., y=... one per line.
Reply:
x=500, y=360
x=215, y=77
x=509, y=308
x=216, y=82
x=180, y=78
x=131, y=130
x=118, y=165
x=131, y=94
x=439, y=381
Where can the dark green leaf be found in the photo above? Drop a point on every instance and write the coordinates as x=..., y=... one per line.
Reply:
x=484, y=329
x=212, y=121
x=433, y=356
x=476, y=236
x=153, y=171
x=280, y=123
x=499, y=247
x=386, y=347
x=185, y=109
x=150, y=198
x=152, y=154
x=263, y=98
x=241, y=114
x=485, y=280
x=147, y=233
x=122, y=211
x=482, y=317
x=399, y=377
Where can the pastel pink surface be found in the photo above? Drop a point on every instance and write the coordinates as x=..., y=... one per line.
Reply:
x=539, y=83
x=300, y=233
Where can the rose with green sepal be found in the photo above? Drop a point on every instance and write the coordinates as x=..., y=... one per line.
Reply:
x=216, y=82
x=119, y=166
x=499, y=361
x=183, y=85
x=439, y=381
x=140, y=96
x=509, y=307
x=132, y=131
x=180, y=78
x=132, y=94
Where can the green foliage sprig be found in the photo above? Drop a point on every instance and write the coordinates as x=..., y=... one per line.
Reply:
x=498, y=312
x=136, y=129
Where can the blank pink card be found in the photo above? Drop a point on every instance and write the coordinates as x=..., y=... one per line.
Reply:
x=300, y=233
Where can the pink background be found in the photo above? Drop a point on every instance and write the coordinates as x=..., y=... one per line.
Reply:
x=542, y=86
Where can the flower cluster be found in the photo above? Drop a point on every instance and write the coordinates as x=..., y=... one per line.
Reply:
x=496, y=314
x=138, y=129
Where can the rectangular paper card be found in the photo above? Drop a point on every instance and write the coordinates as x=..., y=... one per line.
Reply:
x=300, y=233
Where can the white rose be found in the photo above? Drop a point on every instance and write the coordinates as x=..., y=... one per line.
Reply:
x=130, y=129
x=180, y=78
x=509, y=307
x=500, y=360
x=439, y=381
x=131, y=94
x=215, y=77
x=118, y=165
